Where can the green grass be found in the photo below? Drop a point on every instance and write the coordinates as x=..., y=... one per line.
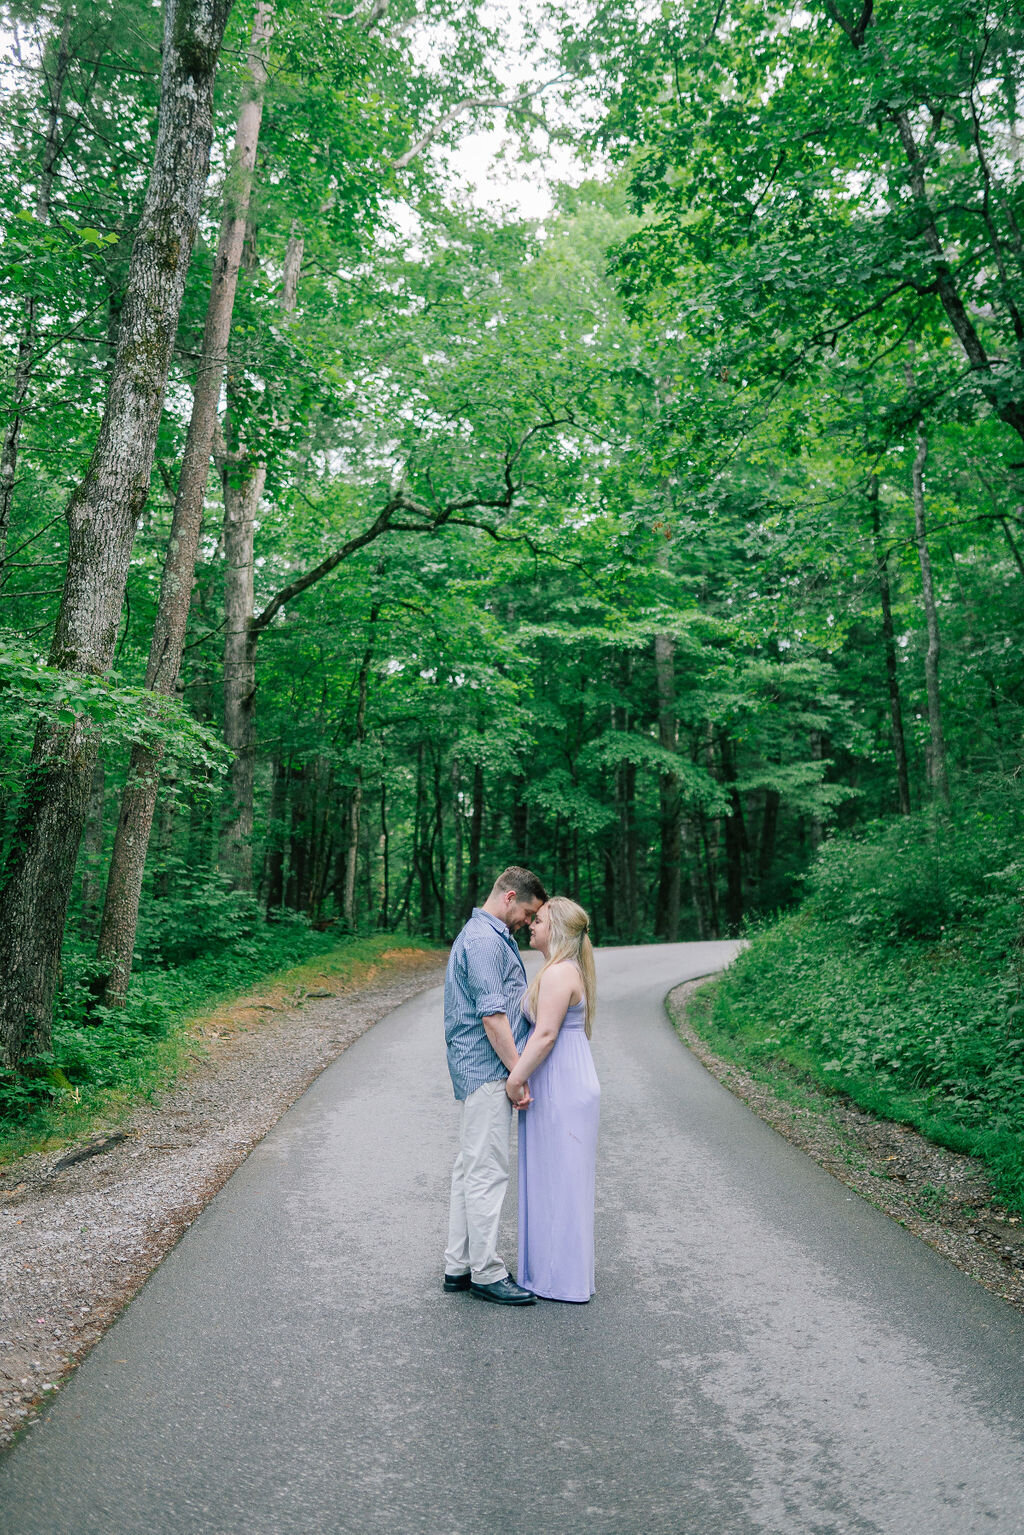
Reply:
x=104, y=1063
x=897, y=988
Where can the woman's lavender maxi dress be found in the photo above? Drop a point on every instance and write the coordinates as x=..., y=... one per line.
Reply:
x=557, y=1157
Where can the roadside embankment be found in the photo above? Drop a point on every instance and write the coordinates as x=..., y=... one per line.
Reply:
x=943, y=1196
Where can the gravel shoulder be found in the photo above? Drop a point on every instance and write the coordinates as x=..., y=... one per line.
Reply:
x=82, y=1227
x=941, y=1196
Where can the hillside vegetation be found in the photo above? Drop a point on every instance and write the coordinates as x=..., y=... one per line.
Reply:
x=900, y=981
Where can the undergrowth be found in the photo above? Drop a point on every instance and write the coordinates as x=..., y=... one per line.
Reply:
x=899, y=983
x=103, y=1060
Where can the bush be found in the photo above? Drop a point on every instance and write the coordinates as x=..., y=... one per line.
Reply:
x=193, y=953
x=900, y=982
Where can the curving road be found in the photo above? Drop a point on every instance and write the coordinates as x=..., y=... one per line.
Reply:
x=765, y=1353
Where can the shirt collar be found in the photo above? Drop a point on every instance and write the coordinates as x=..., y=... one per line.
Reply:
x=498, y=926
x=506, y=933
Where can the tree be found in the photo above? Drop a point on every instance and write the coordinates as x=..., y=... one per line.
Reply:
x=102, y=516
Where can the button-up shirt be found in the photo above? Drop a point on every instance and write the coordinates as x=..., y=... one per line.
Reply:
x=485, y=975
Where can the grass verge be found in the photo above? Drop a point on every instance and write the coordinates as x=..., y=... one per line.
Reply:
x=916, y=1033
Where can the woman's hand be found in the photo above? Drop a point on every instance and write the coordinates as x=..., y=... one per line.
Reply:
x=518, y=1093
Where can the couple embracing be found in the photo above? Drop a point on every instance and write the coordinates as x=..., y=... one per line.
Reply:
x=513, y=1044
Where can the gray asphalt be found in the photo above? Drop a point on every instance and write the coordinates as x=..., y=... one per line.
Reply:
x=765, y=1352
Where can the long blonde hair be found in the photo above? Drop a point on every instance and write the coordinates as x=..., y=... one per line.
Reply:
x=569, y=940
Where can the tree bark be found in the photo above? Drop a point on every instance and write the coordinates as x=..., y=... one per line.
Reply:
x=666, y=918
x=422, y=846
x=476, y=831
x=273, y=876
x=298, y=840
x=102, y=516
x=937, y=775
x=385, y=859
x=92, y=847
x=27, y=340
x=735, y=842
x=440, y=877
x=131, y=842
x=899, y=747
x=348, y=904
x=243, y=480
x=241, y=503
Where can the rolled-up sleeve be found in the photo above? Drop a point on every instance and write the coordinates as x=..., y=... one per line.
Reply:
x=485, y=980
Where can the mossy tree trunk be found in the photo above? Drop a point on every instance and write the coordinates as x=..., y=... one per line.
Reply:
x=131, y=842
x=244, y=478
x=102, y=516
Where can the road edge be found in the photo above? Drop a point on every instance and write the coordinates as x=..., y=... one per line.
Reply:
x=892, y=1166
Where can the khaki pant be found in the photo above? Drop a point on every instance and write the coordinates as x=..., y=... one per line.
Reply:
x=479, y=1182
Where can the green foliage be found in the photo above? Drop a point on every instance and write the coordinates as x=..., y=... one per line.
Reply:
x=31, y=693
x=901, y=982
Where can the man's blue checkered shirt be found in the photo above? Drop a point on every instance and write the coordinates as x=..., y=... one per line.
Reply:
x=485, y=975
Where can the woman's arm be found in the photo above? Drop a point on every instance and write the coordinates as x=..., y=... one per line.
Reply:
x=556, y=989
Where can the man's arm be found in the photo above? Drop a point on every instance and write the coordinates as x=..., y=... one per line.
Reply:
x=499, y=1032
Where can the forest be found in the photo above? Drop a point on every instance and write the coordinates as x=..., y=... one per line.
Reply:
x=359, y=535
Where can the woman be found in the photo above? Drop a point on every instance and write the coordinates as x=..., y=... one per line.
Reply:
x=558, y=1129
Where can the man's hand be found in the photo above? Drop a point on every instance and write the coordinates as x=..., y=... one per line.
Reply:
x=518, y=1093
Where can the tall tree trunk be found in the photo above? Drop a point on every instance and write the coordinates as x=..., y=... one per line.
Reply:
x=899, y=747
x=458, y=839
x=348, y=904
x=298, y=840
x=385, y=859
x=474, y=894
x=131, y=842
x=422, y=842
x=735, y=841
x=666, y=917
x=92, y=847
x=440, y=880
x=625, y=802
x=27, y=340
x=709, y=834
x=102, y=516
x=696, y=888
x=321, y=835
x=165, y=819
x=937, y=747
x=242, y=495
x=273, y=874
x=243, y=479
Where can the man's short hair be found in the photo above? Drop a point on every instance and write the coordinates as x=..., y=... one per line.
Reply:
x=526, y=885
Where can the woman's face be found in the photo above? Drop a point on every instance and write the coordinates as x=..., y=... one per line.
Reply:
x=540, y=930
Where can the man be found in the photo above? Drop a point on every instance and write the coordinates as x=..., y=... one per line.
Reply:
x=484, y=1031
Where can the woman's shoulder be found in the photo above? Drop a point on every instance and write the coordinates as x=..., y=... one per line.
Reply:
x=563, y=980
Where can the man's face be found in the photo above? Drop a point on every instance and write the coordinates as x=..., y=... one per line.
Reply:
x=521, y=913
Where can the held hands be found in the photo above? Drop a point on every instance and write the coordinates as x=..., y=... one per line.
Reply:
x=518, y=1093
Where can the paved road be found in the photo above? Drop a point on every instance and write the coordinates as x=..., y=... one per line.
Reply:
x=765, y=1353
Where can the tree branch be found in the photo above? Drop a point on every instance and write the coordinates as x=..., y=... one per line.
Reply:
x=517, y=103
x=433, y=518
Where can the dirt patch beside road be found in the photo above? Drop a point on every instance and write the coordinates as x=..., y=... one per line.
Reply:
x=82, y=1227
x=939, y=1195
